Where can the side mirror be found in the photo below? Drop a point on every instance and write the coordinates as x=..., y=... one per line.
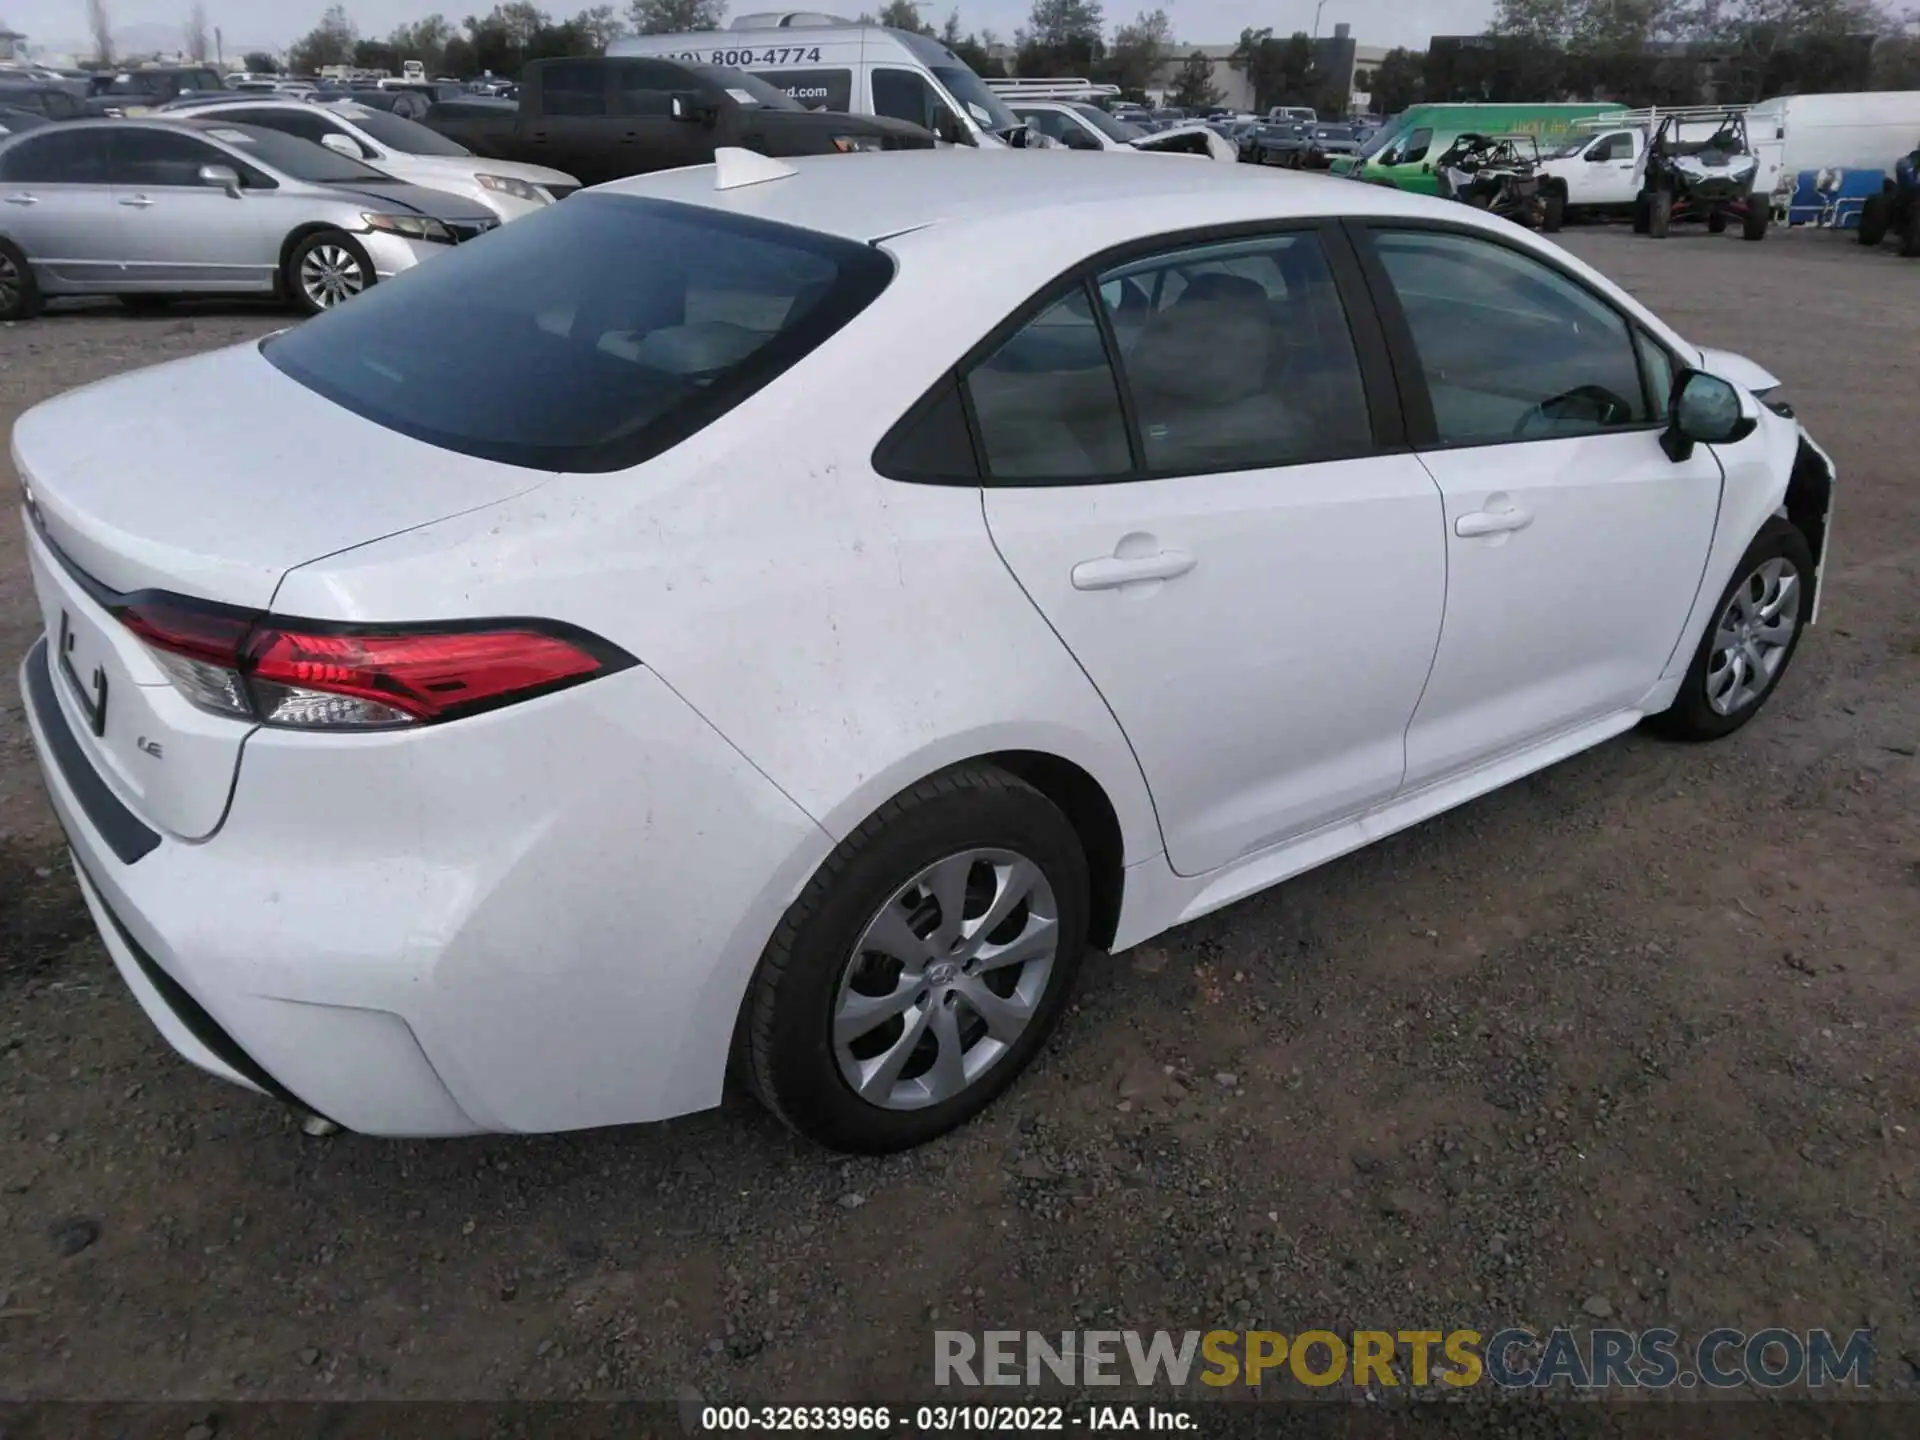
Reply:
x=690, y=108
x=946, y=127
x=1705, y=410
x=221, y=177
x=343, y=145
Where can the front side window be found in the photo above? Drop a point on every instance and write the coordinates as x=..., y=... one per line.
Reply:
x=1511, y=348
x=1048, y=122
x=159, y=158
x=1238, y=355
x=1658, y=365
x=59, y=157
x=904, y=95
x=1414, y=150
x=646, y=88
x=575, y=91
x=1045, y=403
x=589, y=337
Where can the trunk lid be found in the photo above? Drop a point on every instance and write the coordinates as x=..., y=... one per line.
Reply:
x=210, y=478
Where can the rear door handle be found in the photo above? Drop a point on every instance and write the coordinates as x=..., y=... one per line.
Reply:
x=23, y=199
x=1110, y=572
x=1492, y=522
x=138, y=202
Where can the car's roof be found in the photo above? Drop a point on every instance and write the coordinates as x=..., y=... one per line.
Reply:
x=869, y=197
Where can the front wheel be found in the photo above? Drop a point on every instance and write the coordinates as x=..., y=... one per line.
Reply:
x=1754, y=225
x=327, y=269
x=1642, y=213
x=1553, y=213
x=1660, y=217
x=1744, y=653
x=19, y=296
x=922, y=967
x=1717, y=223
x=1876, y=215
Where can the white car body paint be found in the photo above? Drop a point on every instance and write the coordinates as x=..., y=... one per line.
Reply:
x=545, y=916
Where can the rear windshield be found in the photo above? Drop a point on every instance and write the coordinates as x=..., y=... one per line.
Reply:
x=588, y=337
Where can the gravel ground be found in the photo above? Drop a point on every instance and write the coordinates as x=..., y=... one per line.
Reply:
x=1636, y=1037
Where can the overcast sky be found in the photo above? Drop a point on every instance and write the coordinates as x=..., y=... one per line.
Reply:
x=278, y=22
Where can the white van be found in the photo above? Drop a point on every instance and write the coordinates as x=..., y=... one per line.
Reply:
x=827, y=63
x=1861, y=131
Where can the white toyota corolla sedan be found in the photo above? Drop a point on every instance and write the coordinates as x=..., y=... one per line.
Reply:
x=787, y=613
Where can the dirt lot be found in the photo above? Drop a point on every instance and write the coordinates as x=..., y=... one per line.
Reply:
x=1638, y=1037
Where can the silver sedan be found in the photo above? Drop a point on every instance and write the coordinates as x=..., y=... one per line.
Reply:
x=146, y=209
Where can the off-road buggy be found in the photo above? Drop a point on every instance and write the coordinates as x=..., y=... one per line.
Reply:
x=1497, y=173
x=1707, y=180
x=1896, y=209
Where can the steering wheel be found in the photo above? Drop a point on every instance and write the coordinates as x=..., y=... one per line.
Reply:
x=1595, y=405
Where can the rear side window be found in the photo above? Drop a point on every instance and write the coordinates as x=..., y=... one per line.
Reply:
x=1045, y=402
x=815, y=89
x=59, y=157
x=574, y=89
x=589, y=337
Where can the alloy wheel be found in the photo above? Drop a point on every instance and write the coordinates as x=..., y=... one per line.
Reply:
x=331, y=274
x=1753, y=636
x=945, y=978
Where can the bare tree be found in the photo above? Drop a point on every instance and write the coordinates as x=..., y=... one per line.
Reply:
x=102, y=27
x=198, y=46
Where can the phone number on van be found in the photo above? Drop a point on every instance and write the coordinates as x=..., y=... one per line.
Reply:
x=797, y=54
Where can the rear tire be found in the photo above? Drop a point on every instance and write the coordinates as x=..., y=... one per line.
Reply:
x=1553, y=213
x=326, y=269
x=1754, y=225
x=1719, y=694
x=803, y=1048
x=19, y=294
x=1660, y=217
x=1876, y=217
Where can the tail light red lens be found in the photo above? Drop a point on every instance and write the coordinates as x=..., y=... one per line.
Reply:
x=312, y=675
x=407, y=676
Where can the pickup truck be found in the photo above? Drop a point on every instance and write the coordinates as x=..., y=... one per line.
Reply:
x=604, y=118
x=134, y=92
x=1596, y=175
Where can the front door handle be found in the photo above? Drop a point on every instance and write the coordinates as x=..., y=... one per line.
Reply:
x=1110, y=572
x=1492, y=522
x=23, y=199
x=138, y=202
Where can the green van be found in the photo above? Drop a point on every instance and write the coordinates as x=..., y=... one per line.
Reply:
x=1403, y=152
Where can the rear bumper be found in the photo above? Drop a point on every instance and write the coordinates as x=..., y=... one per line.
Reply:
x=541, y=918
x=389, y=1087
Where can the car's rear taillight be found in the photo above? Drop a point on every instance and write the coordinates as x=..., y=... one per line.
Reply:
x=314, y=675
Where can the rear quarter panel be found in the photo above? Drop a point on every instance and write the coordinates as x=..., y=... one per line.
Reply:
x=848, y=633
